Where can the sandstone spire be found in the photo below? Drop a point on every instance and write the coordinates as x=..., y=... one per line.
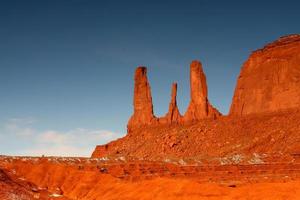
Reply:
x=198, y=109
x=199, y=106
x=142, y=102
x=173, y=115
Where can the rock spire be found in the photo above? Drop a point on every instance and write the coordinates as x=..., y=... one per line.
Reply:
x=142, y=101
x=199, y=106
x=173, y=116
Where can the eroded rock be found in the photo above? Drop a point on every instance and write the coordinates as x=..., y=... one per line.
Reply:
x=142, y=101
x=173, y=115
x=198, y=109
x=199, y=106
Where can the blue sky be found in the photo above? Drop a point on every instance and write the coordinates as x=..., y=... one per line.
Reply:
x=66, y=66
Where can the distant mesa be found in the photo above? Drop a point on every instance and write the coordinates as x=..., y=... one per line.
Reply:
x=270, y=79
x=199, y=107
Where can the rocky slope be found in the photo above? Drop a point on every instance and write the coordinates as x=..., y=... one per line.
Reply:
x=274, y=133
x=11, y=190
x=13, y=187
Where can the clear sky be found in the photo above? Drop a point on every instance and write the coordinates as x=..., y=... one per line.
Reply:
x=66, y=66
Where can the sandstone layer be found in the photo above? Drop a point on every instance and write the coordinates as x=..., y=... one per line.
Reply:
x=270, y=79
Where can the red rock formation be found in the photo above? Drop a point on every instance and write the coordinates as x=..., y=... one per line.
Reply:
x=270, y=79
x=100, y=151
x=198, y=109
x=142, y=103
x=173, y=115
x=199, y=106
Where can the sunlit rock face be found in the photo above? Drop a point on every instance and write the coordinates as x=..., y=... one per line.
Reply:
x=199, y=107
x=270, y=79
x=142, y=101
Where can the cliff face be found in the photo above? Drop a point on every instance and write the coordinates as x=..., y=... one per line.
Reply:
x=270, y=79
x=199, y=107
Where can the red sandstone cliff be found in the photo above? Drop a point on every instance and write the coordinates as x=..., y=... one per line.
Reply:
x=270, y=79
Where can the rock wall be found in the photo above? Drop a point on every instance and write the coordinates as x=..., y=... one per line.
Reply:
x=270, y=79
